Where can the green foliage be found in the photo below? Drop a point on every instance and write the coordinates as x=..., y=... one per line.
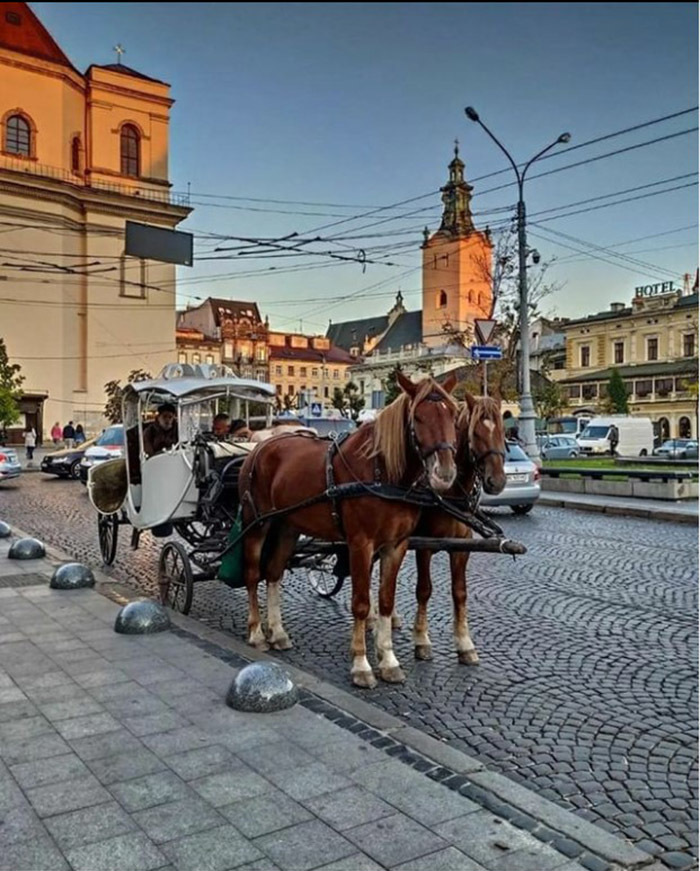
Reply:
x=549, y=400
x=113, y=389
x=391, y=385
x=616, y=401
x=10, y=392
x=348, y=400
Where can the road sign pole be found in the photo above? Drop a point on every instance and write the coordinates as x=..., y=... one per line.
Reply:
x=486, y=388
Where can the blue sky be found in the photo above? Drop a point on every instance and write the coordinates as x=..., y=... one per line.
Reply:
x=337, y=110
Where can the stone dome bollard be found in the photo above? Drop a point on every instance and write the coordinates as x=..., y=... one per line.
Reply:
x=262, y=687
x=5, y=529
x=142, y=617
x=72, y=576
x=27, y=548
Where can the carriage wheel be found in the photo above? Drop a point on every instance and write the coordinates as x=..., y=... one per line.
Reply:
x=175, y=577
x=107, y=531
x=323, y=578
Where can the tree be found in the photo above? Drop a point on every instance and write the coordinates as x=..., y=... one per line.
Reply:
x=549, y=400
x=616, y=400
x=10, y=384
x=113, y=389
x=391, y=385
x=355, y=400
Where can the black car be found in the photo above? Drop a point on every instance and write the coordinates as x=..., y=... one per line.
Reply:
x=65, y=462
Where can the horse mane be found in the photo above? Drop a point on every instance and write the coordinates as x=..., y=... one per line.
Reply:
x=388, y=438
x=485, y=408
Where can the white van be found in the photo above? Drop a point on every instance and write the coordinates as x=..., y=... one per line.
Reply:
x=635, y=436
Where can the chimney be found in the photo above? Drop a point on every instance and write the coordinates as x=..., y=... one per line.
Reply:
x=617, y=306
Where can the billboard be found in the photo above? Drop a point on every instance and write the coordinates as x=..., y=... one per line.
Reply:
x=156, y=243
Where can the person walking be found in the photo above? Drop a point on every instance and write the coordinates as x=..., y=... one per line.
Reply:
x=30, y=442
x=79, y=435
x=69, y=434
x=56, y=433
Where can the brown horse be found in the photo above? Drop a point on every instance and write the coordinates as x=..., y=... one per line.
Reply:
x=480, y=449
x=411, y=442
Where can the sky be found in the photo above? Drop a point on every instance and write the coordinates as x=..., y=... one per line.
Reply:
x=337, y=122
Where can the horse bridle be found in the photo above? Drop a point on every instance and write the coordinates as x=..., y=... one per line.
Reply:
x=425, y=453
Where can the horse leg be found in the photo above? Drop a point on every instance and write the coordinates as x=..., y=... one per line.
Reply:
x=274, y=570
x=361, y=573
x=423, y=649
x=252, y=552
x=466, y=652
x=391, y=559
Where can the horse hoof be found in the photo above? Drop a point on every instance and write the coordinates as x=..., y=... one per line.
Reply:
x=423, y=652
x=468, y=657
x=364, y=679
x=262, y=646
x=392, y=675
x=281, y=643
x=396, y=621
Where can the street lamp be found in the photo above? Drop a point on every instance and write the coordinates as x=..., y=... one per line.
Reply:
x=527, y=409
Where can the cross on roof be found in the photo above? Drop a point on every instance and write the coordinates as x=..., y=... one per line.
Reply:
x=120, y=50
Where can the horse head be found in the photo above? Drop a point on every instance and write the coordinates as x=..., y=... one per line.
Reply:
x=481, y=432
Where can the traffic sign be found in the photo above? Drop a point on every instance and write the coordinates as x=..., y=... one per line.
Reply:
x=316, y=410
x=486, y=352
x=484, y=329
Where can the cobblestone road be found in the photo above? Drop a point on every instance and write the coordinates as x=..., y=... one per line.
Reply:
x=586, y=691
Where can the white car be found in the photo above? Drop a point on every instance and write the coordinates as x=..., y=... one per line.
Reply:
x=522, y=488
x=109, y=446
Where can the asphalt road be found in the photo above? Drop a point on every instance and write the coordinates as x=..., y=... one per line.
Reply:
x=587, y=687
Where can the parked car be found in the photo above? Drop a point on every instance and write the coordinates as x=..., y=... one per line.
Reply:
x=522, y=488
x=66, y=462
x=10, y=466
x=559, y=447
x=108, y=446
x=678, y=449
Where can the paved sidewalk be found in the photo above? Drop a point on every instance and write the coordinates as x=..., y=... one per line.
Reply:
x=118, y=752
x=681, y=511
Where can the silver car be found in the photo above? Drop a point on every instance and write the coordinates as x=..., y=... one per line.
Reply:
x=522, y=488
x=559, y=447
x=10, y=466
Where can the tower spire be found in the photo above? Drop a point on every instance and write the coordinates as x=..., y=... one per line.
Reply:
x=456, y=198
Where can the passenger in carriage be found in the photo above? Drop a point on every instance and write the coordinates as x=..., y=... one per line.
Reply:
x=220, y=426
x=239, y=430
x=161, y=434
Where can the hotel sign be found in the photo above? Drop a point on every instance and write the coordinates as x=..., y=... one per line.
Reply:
x=655, y=289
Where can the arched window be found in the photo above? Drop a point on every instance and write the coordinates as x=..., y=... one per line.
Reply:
x=440, y=299
x=130, y=147
x=18, y=136
x=684, y=429
x=664, y=429
x=75, y=154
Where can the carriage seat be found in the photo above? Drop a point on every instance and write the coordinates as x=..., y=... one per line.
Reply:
x=229, y=450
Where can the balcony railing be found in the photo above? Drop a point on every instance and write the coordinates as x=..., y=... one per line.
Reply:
x=57, y=173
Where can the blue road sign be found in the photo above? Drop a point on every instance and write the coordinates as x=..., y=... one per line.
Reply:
x=486, y=352
x=316, y=409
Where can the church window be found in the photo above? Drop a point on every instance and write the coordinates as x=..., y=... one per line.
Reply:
x=441, y=299
x=130, y=147
x=75, y=154
x=18, y=136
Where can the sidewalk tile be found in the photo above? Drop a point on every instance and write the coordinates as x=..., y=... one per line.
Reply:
x=178, y=818
x=356, y=862
x=107, y=744
x=19, y=824
x=103, y=677
x=349, y=808
x=77, y=828
x=265, y=813
x=214, y=850
x=305, y=846
x=345, y=756
x=71, y=708
x=179, y=740
x=68, y=795
x=124, y=766
x=485, y=838
x=396, y=839
x=202, y=762
x=43, y=681
x=46, y=771
x=312, y=780
x=19, y=710
x=142, y=793
x=62, y=692
x=148, y=724
x=25, y=728
x=83, y=727
x=32, y=855
x=10, y=794
x=449, y=859
x=125, y=853
x=267, y=758
x=535, y=857
x=230, y=786
x=38, y=747
x=135, y=706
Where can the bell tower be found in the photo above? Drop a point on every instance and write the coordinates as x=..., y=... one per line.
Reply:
x=456, y=264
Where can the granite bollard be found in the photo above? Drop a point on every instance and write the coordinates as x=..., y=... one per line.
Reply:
x=142, y=617
x=27, y=548
x=262, y=687
x=72, y=576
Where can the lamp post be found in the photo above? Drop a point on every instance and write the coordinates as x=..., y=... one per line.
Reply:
x=527, y=409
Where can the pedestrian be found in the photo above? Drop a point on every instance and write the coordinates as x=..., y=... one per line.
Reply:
x=56, y=433
x=69, y=434
x=79, y=435
x=30, y=442
x=614, y=439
